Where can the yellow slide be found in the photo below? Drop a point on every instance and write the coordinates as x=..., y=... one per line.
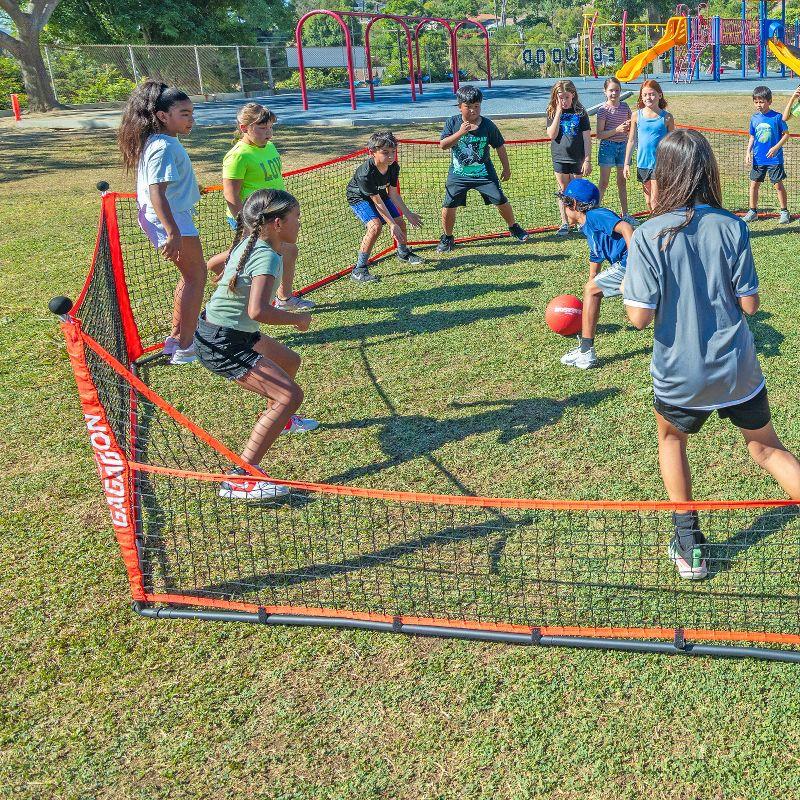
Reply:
x=675, y=34
x=788, y=56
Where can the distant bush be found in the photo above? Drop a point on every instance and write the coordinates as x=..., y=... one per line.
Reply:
x=315, y=79
x=11, y=83
x=80, y=78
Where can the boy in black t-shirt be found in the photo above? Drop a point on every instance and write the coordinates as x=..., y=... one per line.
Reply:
x=470, y=137
x=374, y=197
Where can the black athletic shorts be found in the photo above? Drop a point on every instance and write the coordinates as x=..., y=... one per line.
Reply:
x=566, y=168
x=455, y=192
x=225, y=351
x=644, y=175
x=776, y=173
x=750, y=415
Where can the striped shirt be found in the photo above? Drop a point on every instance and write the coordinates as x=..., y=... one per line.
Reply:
x=614, y=117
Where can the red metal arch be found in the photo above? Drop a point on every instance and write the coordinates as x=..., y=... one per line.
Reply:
x=485, y=49
x=348, y=43
x=422, y=22
x=409, y=56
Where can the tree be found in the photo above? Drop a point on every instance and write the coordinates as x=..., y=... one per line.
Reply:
x=29, y=18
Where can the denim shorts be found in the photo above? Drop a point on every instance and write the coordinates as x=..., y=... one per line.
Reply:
x=611, y=154
x=154, y=230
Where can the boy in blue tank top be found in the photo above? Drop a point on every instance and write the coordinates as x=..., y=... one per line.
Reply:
x=608, y=237
x=768, y=134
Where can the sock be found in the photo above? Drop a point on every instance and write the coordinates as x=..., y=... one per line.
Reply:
x=362, y=261
x=586, y=344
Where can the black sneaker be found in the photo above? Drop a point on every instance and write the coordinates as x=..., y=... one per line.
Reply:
x=363, y=276
x=446, y=244
x=518, y=232
x=688, y=548
x=410, y=257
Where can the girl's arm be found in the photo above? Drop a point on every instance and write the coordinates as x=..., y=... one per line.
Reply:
x=260, y=309
x=158, y=199
x=750, y=304
x=793, y=101
x=586, y=169
x=626, y=170
x=216, y=265
x=670, y=122
x=552, y=128
x=232, y=191
x=640, y=317
x=394, y=195
x=602, y=133
x=502, y=154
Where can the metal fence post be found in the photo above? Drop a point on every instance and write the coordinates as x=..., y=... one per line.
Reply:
x=239, y=64
x=270, y=78
x=199, y=71
x=50, y=70
x=133, y=65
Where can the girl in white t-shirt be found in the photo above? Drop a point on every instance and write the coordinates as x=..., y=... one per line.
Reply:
x=166, y=193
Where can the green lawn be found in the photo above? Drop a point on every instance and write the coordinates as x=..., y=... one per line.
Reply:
x=441, y=378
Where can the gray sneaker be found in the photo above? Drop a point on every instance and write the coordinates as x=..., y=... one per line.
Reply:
x=563, y=230
x=750, y=216
x=687, y=547
x=363, y=276
x=784, y=218
x=293, y=303
x=575, y=358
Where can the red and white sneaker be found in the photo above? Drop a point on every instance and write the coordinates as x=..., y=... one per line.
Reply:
x=298, y=424
x=242, y=486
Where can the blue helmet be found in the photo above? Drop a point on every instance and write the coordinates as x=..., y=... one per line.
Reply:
x=583, y=191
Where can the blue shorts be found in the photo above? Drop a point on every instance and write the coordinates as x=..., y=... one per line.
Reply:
x=366, y=211
x=611, y=154
x=610, y=280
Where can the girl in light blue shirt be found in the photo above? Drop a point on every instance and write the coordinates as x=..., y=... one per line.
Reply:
x=166, y=193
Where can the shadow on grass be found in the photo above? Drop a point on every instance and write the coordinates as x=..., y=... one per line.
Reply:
x=723, y=555
x=768, y=341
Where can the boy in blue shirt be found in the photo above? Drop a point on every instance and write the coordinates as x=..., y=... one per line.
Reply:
x=608, y=237
x=768, y=134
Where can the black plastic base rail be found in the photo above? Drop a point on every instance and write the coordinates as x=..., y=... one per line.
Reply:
x=679, y=647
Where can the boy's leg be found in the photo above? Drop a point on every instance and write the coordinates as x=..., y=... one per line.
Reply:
x=753, y=195
x=780, y=190
x=448, y=220
x=592, y=296
x=507, y=213
x=672, y=460
x=767, y=450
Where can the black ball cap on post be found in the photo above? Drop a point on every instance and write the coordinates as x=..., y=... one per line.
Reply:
x=103, y=186
x=61, y=306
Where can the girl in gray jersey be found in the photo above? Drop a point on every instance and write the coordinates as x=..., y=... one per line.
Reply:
x=690, y=270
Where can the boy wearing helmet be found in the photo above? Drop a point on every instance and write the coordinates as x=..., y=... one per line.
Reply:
x=608, y=237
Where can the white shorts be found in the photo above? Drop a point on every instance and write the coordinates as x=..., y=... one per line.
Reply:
x=610, y=280
x=154, y=230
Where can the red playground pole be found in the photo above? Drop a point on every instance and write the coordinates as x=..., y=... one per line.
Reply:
x=15, y=107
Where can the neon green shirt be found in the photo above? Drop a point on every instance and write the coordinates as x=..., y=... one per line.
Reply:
x=256, y=167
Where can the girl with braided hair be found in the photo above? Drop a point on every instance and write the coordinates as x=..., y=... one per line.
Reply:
x=228, y=340
x=166, y=193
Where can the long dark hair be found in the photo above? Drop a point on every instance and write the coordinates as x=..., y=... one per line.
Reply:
x=139, y=120
x=686, y=175
x=261, y=208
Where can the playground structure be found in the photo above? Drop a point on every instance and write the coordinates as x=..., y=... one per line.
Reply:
x=688, y=37
x=407, y=24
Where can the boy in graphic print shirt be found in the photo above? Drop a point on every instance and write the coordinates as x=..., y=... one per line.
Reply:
x=470, y=137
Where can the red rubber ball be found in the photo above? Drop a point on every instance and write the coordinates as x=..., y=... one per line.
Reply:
x=563, y=314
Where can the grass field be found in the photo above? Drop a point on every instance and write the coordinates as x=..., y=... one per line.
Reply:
x=102, y=704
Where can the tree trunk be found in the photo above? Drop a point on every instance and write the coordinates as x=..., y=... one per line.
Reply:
x=38, y=86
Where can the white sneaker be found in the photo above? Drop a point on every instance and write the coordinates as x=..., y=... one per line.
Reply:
x=171, y=344
x=293, y=303
x=187, y=356
x=240, y=487
x=784, y=218
x=750, y=216
x=580, y=360
x=563, y=230
x=298, y=424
